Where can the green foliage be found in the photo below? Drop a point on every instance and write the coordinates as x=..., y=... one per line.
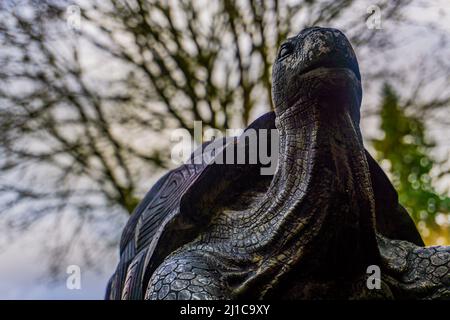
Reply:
x=406, y=148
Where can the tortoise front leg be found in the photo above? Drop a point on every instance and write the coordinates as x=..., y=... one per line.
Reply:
x=186, y=276
x=416, y=272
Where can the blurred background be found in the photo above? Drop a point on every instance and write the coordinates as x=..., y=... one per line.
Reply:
x=90, y=92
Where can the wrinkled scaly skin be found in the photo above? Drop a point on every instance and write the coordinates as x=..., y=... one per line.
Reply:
x=216, y=231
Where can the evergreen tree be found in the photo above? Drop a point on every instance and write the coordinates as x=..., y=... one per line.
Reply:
x=406, y=148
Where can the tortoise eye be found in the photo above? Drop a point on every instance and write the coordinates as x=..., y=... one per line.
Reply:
x=286, y=49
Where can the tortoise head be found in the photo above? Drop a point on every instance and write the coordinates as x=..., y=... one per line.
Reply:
x=316, y=63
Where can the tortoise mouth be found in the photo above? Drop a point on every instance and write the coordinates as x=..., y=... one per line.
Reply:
x=333, y=65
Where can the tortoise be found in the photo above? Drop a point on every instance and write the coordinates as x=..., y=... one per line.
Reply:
x=310, y=230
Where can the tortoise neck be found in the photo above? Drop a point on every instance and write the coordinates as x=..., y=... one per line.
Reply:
x=319, y=208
